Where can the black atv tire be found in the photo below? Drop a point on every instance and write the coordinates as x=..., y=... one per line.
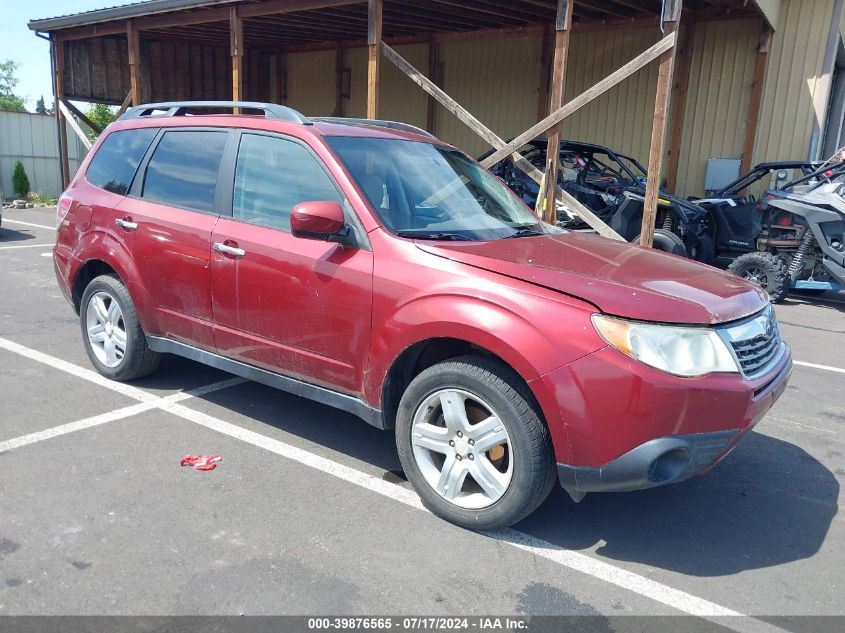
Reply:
x=766, y=270
x=667, y=242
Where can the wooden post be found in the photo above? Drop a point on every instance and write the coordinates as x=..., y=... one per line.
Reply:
x=134, y=42
x=679, y=102
x=433, y=67
x=236, y=46
x=671, y=17
x=756, y=103
x=59, y=61
x=338, y=67
x=374, y=15
x=562, y=32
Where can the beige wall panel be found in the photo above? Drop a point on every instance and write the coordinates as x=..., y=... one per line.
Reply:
x=620, y=118
x=792, y=82
x=311, y=82
x=495, y=79
x=771, y=9
x=720, y=84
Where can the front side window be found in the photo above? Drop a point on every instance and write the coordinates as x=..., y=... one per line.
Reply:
x=431, y=191
x=272, y=176
x=183, y=169
x=117, y=159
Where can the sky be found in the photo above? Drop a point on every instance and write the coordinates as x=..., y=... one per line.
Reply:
x=32, y=54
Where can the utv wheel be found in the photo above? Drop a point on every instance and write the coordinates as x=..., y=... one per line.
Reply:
x=111, y=333
x=766, y=270
x=472, y=443
x=667, y=242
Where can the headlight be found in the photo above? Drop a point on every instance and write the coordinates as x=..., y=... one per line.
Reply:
x=683, y=351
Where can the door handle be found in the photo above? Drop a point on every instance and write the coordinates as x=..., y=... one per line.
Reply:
x=231, y=251
x=126, y=225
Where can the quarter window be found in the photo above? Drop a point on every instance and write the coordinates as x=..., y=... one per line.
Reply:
x=183, y=169
x=272, y=176
x=117, y=159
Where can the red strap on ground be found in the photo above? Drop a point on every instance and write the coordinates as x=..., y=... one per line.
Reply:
x=201, y=462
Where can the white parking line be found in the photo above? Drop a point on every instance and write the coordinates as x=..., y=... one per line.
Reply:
x=674, y=598
x=112, y=416
x=9, y=248
x=838, y=370
x=37, y=226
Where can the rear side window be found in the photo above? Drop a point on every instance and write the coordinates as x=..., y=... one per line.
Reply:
x=183, y=169
x=115, y=162
x=273, y=176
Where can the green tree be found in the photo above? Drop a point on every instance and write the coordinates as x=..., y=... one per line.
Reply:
x=100, y=114
x=40, y=108
x=8, y=99
x=20, y=181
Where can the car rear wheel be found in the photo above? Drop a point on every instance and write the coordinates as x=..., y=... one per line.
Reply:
x=766, y=270
x=473, y=445
x=667, y=242
x=113, y=337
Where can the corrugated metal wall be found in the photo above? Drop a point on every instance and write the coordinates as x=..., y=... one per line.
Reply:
x=721, y=79
x=495, y=79
x=795, y=63
x=620, y=118
x=33, y=140
x=311, y=82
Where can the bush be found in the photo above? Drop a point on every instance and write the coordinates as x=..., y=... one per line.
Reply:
x=20, y=181
x=41, y=199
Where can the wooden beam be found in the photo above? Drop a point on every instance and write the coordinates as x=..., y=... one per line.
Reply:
x=563, y=29
x=134, y=42
x=679, y=101
x=616, y=77
x=76, y=127
x=756, y=103
x=375, y=11
x=79, y=115
x=488, y=135
x=123, y=106
x=236, y=50
x=671, y=16
x=59, y=61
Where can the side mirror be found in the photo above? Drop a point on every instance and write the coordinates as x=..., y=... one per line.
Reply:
x=319, y=220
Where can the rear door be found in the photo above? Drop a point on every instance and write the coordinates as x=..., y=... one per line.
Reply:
x=298, y=306
x=171, y=210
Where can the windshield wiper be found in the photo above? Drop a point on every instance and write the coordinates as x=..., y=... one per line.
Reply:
x=422, y=235
x=523, y=232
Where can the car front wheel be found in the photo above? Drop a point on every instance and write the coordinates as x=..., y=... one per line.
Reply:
x=473, y=445
x=113, y=337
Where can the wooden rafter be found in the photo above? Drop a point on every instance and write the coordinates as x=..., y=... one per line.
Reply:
x=755, y=105
x=374, y=43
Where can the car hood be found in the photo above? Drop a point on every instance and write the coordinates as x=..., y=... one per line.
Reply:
x=617, y=277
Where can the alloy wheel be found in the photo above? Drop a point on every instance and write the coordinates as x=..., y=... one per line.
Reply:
x=105, y=328
x=462, y=448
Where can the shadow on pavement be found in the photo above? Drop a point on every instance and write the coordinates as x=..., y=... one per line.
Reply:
x=13, y=235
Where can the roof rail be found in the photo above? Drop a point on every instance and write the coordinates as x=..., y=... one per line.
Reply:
x=394, y=125
x=182, y=108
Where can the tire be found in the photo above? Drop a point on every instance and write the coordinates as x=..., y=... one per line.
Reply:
x=107, y=303
x=667, y=242
x=525, y=463
x=766, y=270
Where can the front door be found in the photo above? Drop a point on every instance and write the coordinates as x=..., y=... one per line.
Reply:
x=298, y=306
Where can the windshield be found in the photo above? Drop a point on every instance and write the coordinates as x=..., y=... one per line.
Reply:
x=433, y=192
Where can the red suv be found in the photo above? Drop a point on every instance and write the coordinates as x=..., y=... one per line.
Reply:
x=369, y=266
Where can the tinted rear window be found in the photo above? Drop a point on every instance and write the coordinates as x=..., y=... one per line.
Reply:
x=183, y=169
x=114, y=165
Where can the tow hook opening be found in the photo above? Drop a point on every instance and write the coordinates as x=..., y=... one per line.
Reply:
x=668, y=466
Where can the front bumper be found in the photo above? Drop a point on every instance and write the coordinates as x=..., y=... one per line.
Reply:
x=624, y=426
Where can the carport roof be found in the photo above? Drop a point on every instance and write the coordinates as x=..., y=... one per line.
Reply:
x=297, y=22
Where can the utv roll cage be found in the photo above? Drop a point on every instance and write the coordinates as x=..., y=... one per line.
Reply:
x=829, y=173
x=759, y=171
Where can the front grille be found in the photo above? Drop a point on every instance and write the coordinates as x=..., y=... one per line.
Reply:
x=756, y=342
